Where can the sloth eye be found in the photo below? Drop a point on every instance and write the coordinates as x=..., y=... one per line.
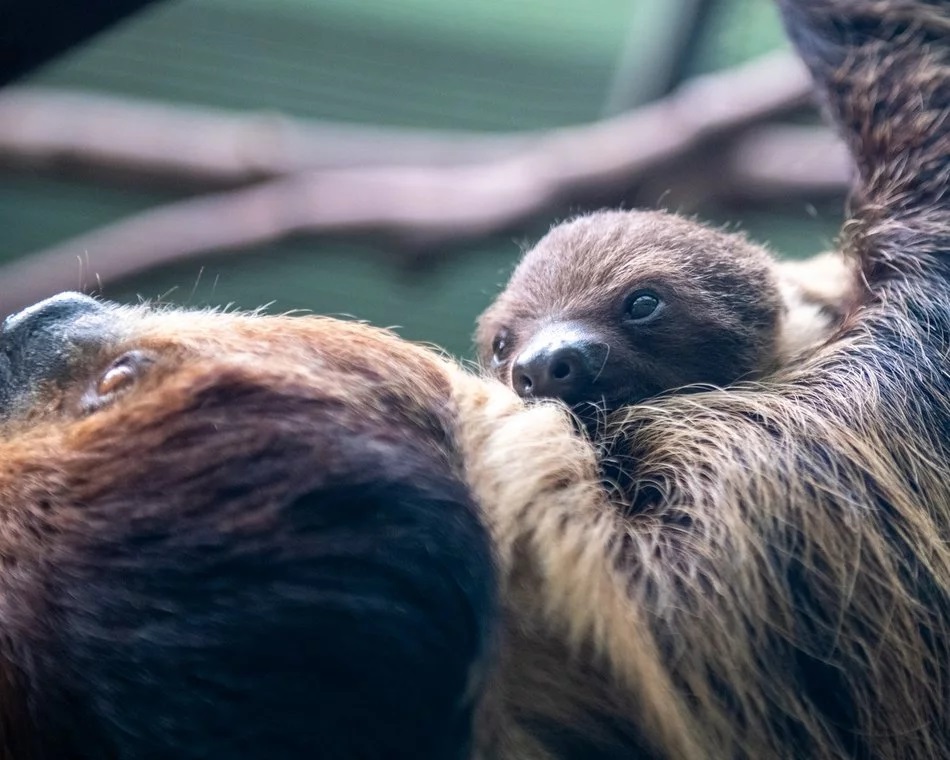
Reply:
x=500, y=346
x=117, y=378
x=641, y=305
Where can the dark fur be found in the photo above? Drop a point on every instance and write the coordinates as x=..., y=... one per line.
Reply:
x=305, y=538
x=230, y=563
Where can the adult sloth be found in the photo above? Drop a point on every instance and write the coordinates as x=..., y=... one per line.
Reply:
x=229, y=536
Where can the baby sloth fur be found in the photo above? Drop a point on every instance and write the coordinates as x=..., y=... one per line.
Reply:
x=615, y=307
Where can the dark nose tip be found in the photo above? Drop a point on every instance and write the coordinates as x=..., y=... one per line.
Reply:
x=562, y=372
x=59, y=309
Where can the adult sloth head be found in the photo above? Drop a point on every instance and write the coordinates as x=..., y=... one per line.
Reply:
x=228, y=537
x=232, y=536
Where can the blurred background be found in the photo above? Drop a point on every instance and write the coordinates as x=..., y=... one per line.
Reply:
x=390, y=160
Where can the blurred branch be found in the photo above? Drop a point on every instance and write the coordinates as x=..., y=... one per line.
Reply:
x=765, y=165
x=149, y=142
x=423, y=205
x=778, y=161
x=101, y=136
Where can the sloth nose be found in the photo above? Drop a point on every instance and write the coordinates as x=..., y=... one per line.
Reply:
x=39, y=343
x=54, y=312
x=562, y=372
x=550, y=374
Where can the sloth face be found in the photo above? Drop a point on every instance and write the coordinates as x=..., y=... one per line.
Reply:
x=619, y=307
x=47, y=347
x=71, y=356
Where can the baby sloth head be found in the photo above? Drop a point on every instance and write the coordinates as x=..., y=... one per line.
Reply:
x=615, y=307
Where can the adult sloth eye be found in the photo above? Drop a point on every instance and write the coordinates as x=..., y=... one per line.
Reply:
x=117, y=378
x=501, y=346
x=641, y=305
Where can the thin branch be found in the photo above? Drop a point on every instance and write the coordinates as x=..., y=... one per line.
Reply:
x=421, y=205
x=785, y=160
x=100, y=135
x=206, y=148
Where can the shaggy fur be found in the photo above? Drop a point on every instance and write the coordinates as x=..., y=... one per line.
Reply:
x=728, y=312
x=261, y=546
x=277, y=537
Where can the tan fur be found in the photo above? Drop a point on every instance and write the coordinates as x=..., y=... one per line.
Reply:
x=818, y=293
x=552, y=523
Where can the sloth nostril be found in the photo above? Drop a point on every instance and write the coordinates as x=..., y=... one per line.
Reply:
x=553, y=372
x=560, y=370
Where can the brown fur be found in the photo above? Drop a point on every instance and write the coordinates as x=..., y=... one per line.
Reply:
x=775, y=584
x=215, y=457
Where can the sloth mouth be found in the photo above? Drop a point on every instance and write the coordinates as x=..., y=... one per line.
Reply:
x=603, y=404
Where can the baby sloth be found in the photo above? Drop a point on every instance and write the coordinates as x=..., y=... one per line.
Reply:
x=618, y=306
